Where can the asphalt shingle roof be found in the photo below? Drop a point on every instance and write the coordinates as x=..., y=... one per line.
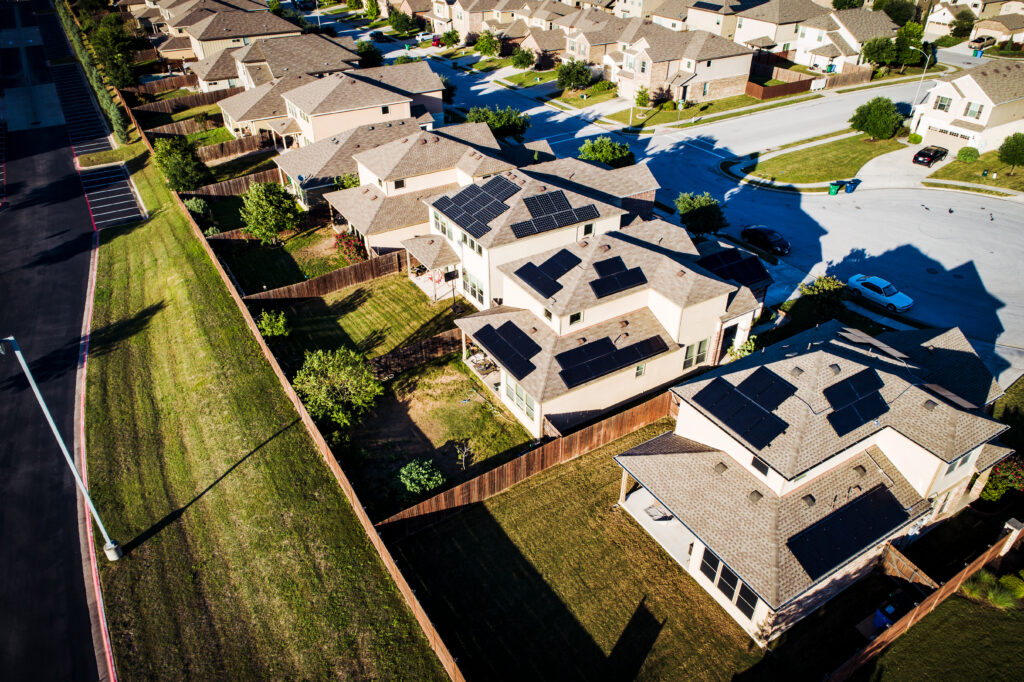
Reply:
x=470, y=147
x=221, y=66
x=865, y=24
x=781, y=11
x=371, y=212
x=1002, y=80
x=239, y=24
x=340, y=92
x=308, y=53
x=263, y=101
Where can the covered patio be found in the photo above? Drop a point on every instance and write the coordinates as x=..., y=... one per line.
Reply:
x=286, y=133
x=437, y=270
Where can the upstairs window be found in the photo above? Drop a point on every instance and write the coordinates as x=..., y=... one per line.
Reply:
x=942, y=103
x=385, y=109
x=760, y=465
x=973, y=110
x=399, y=184
x=747, y=601
x=575, y=318
x=588, y=229
x=696, y=354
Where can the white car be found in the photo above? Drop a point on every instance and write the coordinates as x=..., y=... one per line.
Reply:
x=427, y=35
x=877, y=290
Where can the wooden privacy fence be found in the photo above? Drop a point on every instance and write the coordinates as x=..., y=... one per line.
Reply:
x=769, y=91
x=433, y=638
x=853, y=76
x=185, y=127
x=223, y=150
x=169, y=106
x=236, y=186
x=338, y=279
x=146, y=55
x=414, y=354
x=164, y=84
x=875, y=647
x=894, y=563
x=535, y=461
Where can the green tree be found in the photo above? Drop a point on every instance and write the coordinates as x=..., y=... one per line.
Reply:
x=878, y=51
x=847, y=4
x=369, y=54
x=420, y=476
x=372, y=9
x=177, y=160
x=908, y=42
x=272, y=324
x=573, y=75
x=354, y=4
x=701, y=213
x=450, y=38
x=337, y=385
x=522, y=58
x=197, y=206
x=962, y=24
x=405, y=59
x=488, y=44
x=401, y=22
x=643, y=97
x=502, y=122
x=606, y=150
x=826, y=293
x=267, y=210
x=900, y=11
x=346, y=181
x=878, y=117
x=1011, y=151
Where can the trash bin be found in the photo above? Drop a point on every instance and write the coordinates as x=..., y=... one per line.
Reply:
x=850, y=186
x=833, y=188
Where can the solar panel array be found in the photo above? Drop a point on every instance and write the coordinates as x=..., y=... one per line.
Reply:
x=766, y=388
x=599, y=358
x=855, y=401
x=509, y=346
x=475, y=206
x=550, y=211
x=613, y=277
x=735, y=265
x=749, y=420
x=544, y=278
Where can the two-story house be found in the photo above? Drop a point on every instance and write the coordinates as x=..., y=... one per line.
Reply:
x=942, y=14
x=672, y=14
x=832, y=42
x=636, y=9
x=789, y=470
x=224, y=30
x=598, y=322
x=977, y=107
x=772, y=25
x=1004, y=27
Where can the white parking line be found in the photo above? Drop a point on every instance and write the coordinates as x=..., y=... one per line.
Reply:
x=120, y=192
x=109, y=204
x=105, y=179
x=127, y=213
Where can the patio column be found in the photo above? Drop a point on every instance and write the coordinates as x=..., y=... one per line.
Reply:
x=463, y=345
x=625, y=486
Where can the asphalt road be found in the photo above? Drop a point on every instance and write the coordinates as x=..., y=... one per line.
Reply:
x=45, y=239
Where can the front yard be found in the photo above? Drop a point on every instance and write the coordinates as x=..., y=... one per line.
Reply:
x=548, y=581
x=526, y=79
x=595, y=94
x=828, y=161
x=972, y=172
x=491, y=64
x=656, y=116
x=300, y=256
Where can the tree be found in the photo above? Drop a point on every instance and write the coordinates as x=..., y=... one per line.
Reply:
x=826, y=293
x=962, y=24
x=878, y=117
x=606, y=150
x=878, y=51
x=573, y=75
x=450, y=38
x=701, y=213
x=177, y=160
x=522, y=58
x=267, y=210
x=405, y=59
x=197, y=206
x=337, y=385
x=900, y=11
x=372, y=9
x=488, y=44
x=420, y=476
x=643, y=97
x=847, y=4
x=502, y=122
x=272, y=324
x=1011, y=151
x=369, y=54
x=401, y=22
x=354, y=4
x=346, y=181
x=967, y=154
x=908, y=42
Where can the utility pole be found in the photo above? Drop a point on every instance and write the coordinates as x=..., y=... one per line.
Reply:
x=110, y=547
x=917, y=93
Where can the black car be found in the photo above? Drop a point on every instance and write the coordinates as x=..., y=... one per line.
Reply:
x=765, y=239
x=929, y=155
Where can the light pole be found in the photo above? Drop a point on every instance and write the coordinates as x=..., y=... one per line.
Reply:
x=110, y=547
x=917, y=93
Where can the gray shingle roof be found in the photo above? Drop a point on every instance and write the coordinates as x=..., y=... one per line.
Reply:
x=371, y=212
x=865, y=24
x=239, y=24
x=264, y=101
x=751, y=537
x=809, y=439
x=666, y=44
x=673, y=9
x=432, y=251
x=581, y=176
x=221, y=66
x=414, y=78
x=308, y=53
x=470, y=147
x=175, y=43
x=1001, y=80
x=1011, y=22
x=340, y=92
x=991, y=454
x=781, y=11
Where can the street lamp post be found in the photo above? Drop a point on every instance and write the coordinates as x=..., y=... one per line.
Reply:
x=110, y=547
x=917, y=93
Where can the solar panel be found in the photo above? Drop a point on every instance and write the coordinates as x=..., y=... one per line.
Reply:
x=470, y=192
x=558, y=202
x=732, y=264
x=744, y=416
x=500, y=188
x=862, y=411
x=509, y=346
x=766, y=388
x=563, y=218
x=588, y=212
x=599, y=358
x=844, y=392
x=477, y=229
x=523, y=344
x=544, y=223
x=443, y=204
x=609, y=266
x=764, y=432
x=559, y=264
x=523, y=229
x=714, y=393
x=613, y=284
x=538, y=280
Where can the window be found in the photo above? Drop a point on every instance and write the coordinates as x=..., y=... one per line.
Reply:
x=588, y=229
x=547, y=314
x=821, y=36
x=973, y=110
x=709, y=564
x=385, y=109
x=942, y=103
x=747, y=601
x=245, y=41
x=727, y=583
x=213, y=83
x=803, y=32
x=640, y=369
x=951, y=467
x=739, y=23
x=706, y=85
x=472, y=286
x=399, y=184
x=643, y=66
x=718, y=21
x=572, y=46
x=575, y=318
x=696, y=354
x=673, y=25
x=520, y=397
x=963, y=461
x=709, y=62
x=760, y=465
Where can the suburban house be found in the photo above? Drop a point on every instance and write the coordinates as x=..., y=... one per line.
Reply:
x=177, y=16
x=672, y=14
x=942, y=15
x=631, y=188
x=977, y=107
x=832, y=42
x=601, y=321
x=395, y=177
x=218, y=72
x=790, y=470
x=223, y=30
x=417, y=9
x=638, y=9
x=1003, y=27
x=263, y=108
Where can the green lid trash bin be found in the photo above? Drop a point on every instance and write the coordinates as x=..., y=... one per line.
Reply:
x=833, y=188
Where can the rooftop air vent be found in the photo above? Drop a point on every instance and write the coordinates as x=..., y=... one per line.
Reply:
x=796, y=371
x=808, y=500
x=623, y=323
x=580, y=341
x=584, y=243
x=861, y=470
x=721, y=467
x=835, y=368
x=680, y=273
x=533, y=330
x=754, y=496
x=930, y=404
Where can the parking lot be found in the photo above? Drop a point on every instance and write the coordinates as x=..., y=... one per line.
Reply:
x=85, y=125
x=110, y=196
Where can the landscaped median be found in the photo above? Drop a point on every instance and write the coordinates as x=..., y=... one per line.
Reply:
x=825, y=162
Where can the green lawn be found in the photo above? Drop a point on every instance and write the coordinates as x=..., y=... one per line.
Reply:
x=151, y=119
x=972, y=172
x=548, y=581
x=172, y=94
x=824, y=162
x=526, y=79
x=491, y=64
x=122, y=153
x=987, y=646
x=816, y=138
x=654, y=116
x=907, y=73
x=299, y=257
x=211, y=136
x=424, y=412
x=776, y=102
x=243, y=558
x=574, y=98
x=243, y=165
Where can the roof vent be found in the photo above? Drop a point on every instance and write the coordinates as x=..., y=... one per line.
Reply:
x=580, y=341
x=755, y=496
x=584, y=243
x=835, y=368
x=808, y=500
x=930, y=405
x=680, y=273
x=623, y=324
x=861, y=470
x=533, y=330
x=542, y=188
x=423, y=141
x=796, y=371
x=605, y=248
x=720, y=468
x=369, y=127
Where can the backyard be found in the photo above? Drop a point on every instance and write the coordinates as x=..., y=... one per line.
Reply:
x=828, y=161
x=243, y=165
x=997, y=172
x=243, y=557
x=548, y=581
x=300, y=256
x=153, y=119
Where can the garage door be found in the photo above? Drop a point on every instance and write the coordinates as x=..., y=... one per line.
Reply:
x=944, y=138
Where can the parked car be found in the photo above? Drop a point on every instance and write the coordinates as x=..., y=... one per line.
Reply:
x=376, y=36
x=877, y=290
x=765, y=239
x=930, y=155
x=981, y=42
x=426, y=35
x=435, y=41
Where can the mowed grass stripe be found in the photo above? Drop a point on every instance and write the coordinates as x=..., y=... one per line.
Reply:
x=245, y=559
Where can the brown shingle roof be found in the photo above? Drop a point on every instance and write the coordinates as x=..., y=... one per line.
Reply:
x=264, y=101
x=1001, y=80
x=371, y=212
x=865, y=24
x=221, y=66
x=308, y=53
x=470, y=146
x=413, y=78
x=239, y=24
x=781, y=11
x=339, y=92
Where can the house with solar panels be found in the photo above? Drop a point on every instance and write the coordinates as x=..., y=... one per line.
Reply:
x=601, y=321
x=790, y=470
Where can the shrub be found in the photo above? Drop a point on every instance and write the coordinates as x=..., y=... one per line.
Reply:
x=744, y=349
x=197, y=206
x=354, y=4
x=177, y=160
x=602, y=86
x=448, y=94
x=420, y=476
x=978, y=585
x=272, y=324
x=523, y=59
x=502, y=122
x=1014, y=585
x=369, y=55
x=350, y=246
x=337, y=385
x=573, y=75
x=968, y=154
x=267, y=210
x=405, y=59
x=201, y=118
x=346, y=181
x=878, y=117
x=372, y=9
x=606, y=150
x=1006, y=475
x=450, y=38
x=827, y=292
x=1000, y=597
x=847, y=4
x=914, y=138
x=211, y=230
x=643, y=97
x=670, y=105
x=701, y=213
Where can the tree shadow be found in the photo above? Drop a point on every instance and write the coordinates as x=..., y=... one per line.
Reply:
x=176, y=514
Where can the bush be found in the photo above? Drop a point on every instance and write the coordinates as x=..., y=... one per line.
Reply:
x=272, y=324
x=1000, y=597
x=406, y=59
x=211, y=230
x=450, y=38
x=878, y=117
x=197, y=206
x=420, y=476
x=1006, y=475
x=369, y=55
x=978, y=585
x=372, y=9
x=602, y=86
x=914, y=138
x=968, y=154
x=701, y=213
x=606, y=150
x=573, y=75
x=338, y=385
x=177, y=160
x=448, y=94
x=502, y=122
x=744, y=349
x=1014, y=585
x=350, y=246
x=827, y=292
x=346, y=181
x=949, y=41
x=670, y=105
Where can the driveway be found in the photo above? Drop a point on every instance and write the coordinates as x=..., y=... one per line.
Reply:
x=897, y=169
x=960, y=55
